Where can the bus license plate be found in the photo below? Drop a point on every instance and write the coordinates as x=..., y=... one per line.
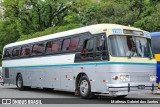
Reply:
x=141, y=87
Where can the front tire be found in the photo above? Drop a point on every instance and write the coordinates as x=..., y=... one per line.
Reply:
x=85, y=88
x=19, y=82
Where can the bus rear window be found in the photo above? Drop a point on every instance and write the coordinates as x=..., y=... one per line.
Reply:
x=38, y=49
x=15, y=52
x=25, y=51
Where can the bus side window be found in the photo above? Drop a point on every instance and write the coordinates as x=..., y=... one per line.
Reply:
x=38, y=49
x=7, y=53
x=70, y=44
x=25, y=51
x=52, y=47
x=15, y=52
x=88, y=48
x=74, y=44
x=66, y=43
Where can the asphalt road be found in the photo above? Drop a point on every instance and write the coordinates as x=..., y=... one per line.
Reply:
x=10, y=91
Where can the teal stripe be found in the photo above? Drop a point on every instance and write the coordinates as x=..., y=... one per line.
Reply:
x=86, y=64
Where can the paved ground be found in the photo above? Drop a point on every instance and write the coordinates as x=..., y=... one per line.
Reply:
x=10, y=91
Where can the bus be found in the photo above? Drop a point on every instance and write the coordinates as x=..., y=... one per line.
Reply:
x=0, y=73
x=155, y=39
x=100, y=59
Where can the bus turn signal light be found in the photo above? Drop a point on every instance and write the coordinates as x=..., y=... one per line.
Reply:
x=115, y=77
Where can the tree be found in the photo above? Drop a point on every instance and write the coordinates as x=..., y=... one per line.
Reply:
x=107, y=12
x=150, y=18
x=8, y=33
x=36, y=15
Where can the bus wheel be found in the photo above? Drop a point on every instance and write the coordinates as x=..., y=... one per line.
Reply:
x=85, y=88
x=19, y=82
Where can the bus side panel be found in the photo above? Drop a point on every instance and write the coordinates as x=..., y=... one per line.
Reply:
x=27, y=80
x=12, y=75
x=102, y=78
x=8, y=74
x=25, y=75
x=52, y=78
x=37, y=76
x=90, y=71
x=67, y=82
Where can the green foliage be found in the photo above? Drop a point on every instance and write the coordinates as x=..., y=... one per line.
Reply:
x=8, y=33
x=25, y=19
x=150, y=19
x=36, y=15
x=50, y=30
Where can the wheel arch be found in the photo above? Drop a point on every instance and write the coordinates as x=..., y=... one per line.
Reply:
x=17, y=75
x=77, y=82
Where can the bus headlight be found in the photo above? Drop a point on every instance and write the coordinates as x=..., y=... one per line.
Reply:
x=124, y=77
x=152, y=77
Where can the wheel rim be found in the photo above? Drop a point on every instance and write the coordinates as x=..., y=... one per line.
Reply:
x=19, y=82
x=84, y=87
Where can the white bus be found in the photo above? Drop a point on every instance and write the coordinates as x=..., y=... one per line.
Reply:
x=99, y=59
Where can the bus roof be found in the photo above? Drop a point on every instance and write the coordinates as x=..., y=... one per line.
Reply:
x=155, y=34
x=97, y=28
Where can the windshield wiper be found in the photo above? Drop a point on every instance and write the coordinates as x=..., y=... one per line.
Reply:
x=132, y=52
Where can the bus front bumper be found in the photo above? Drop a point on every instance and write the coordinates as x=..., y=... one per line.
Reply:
x=125, y=89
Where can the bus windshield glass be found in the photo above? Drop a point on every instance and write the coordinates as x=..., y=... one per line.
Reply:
x=130, y=46
x=155, y=44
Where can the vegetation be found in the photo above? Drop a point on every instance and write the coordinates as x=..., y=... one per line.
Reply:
x=24, y=19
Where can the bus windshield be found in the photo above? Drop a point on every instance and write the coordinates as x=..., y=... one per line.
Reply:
x=155, y=44
x=130, y=46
